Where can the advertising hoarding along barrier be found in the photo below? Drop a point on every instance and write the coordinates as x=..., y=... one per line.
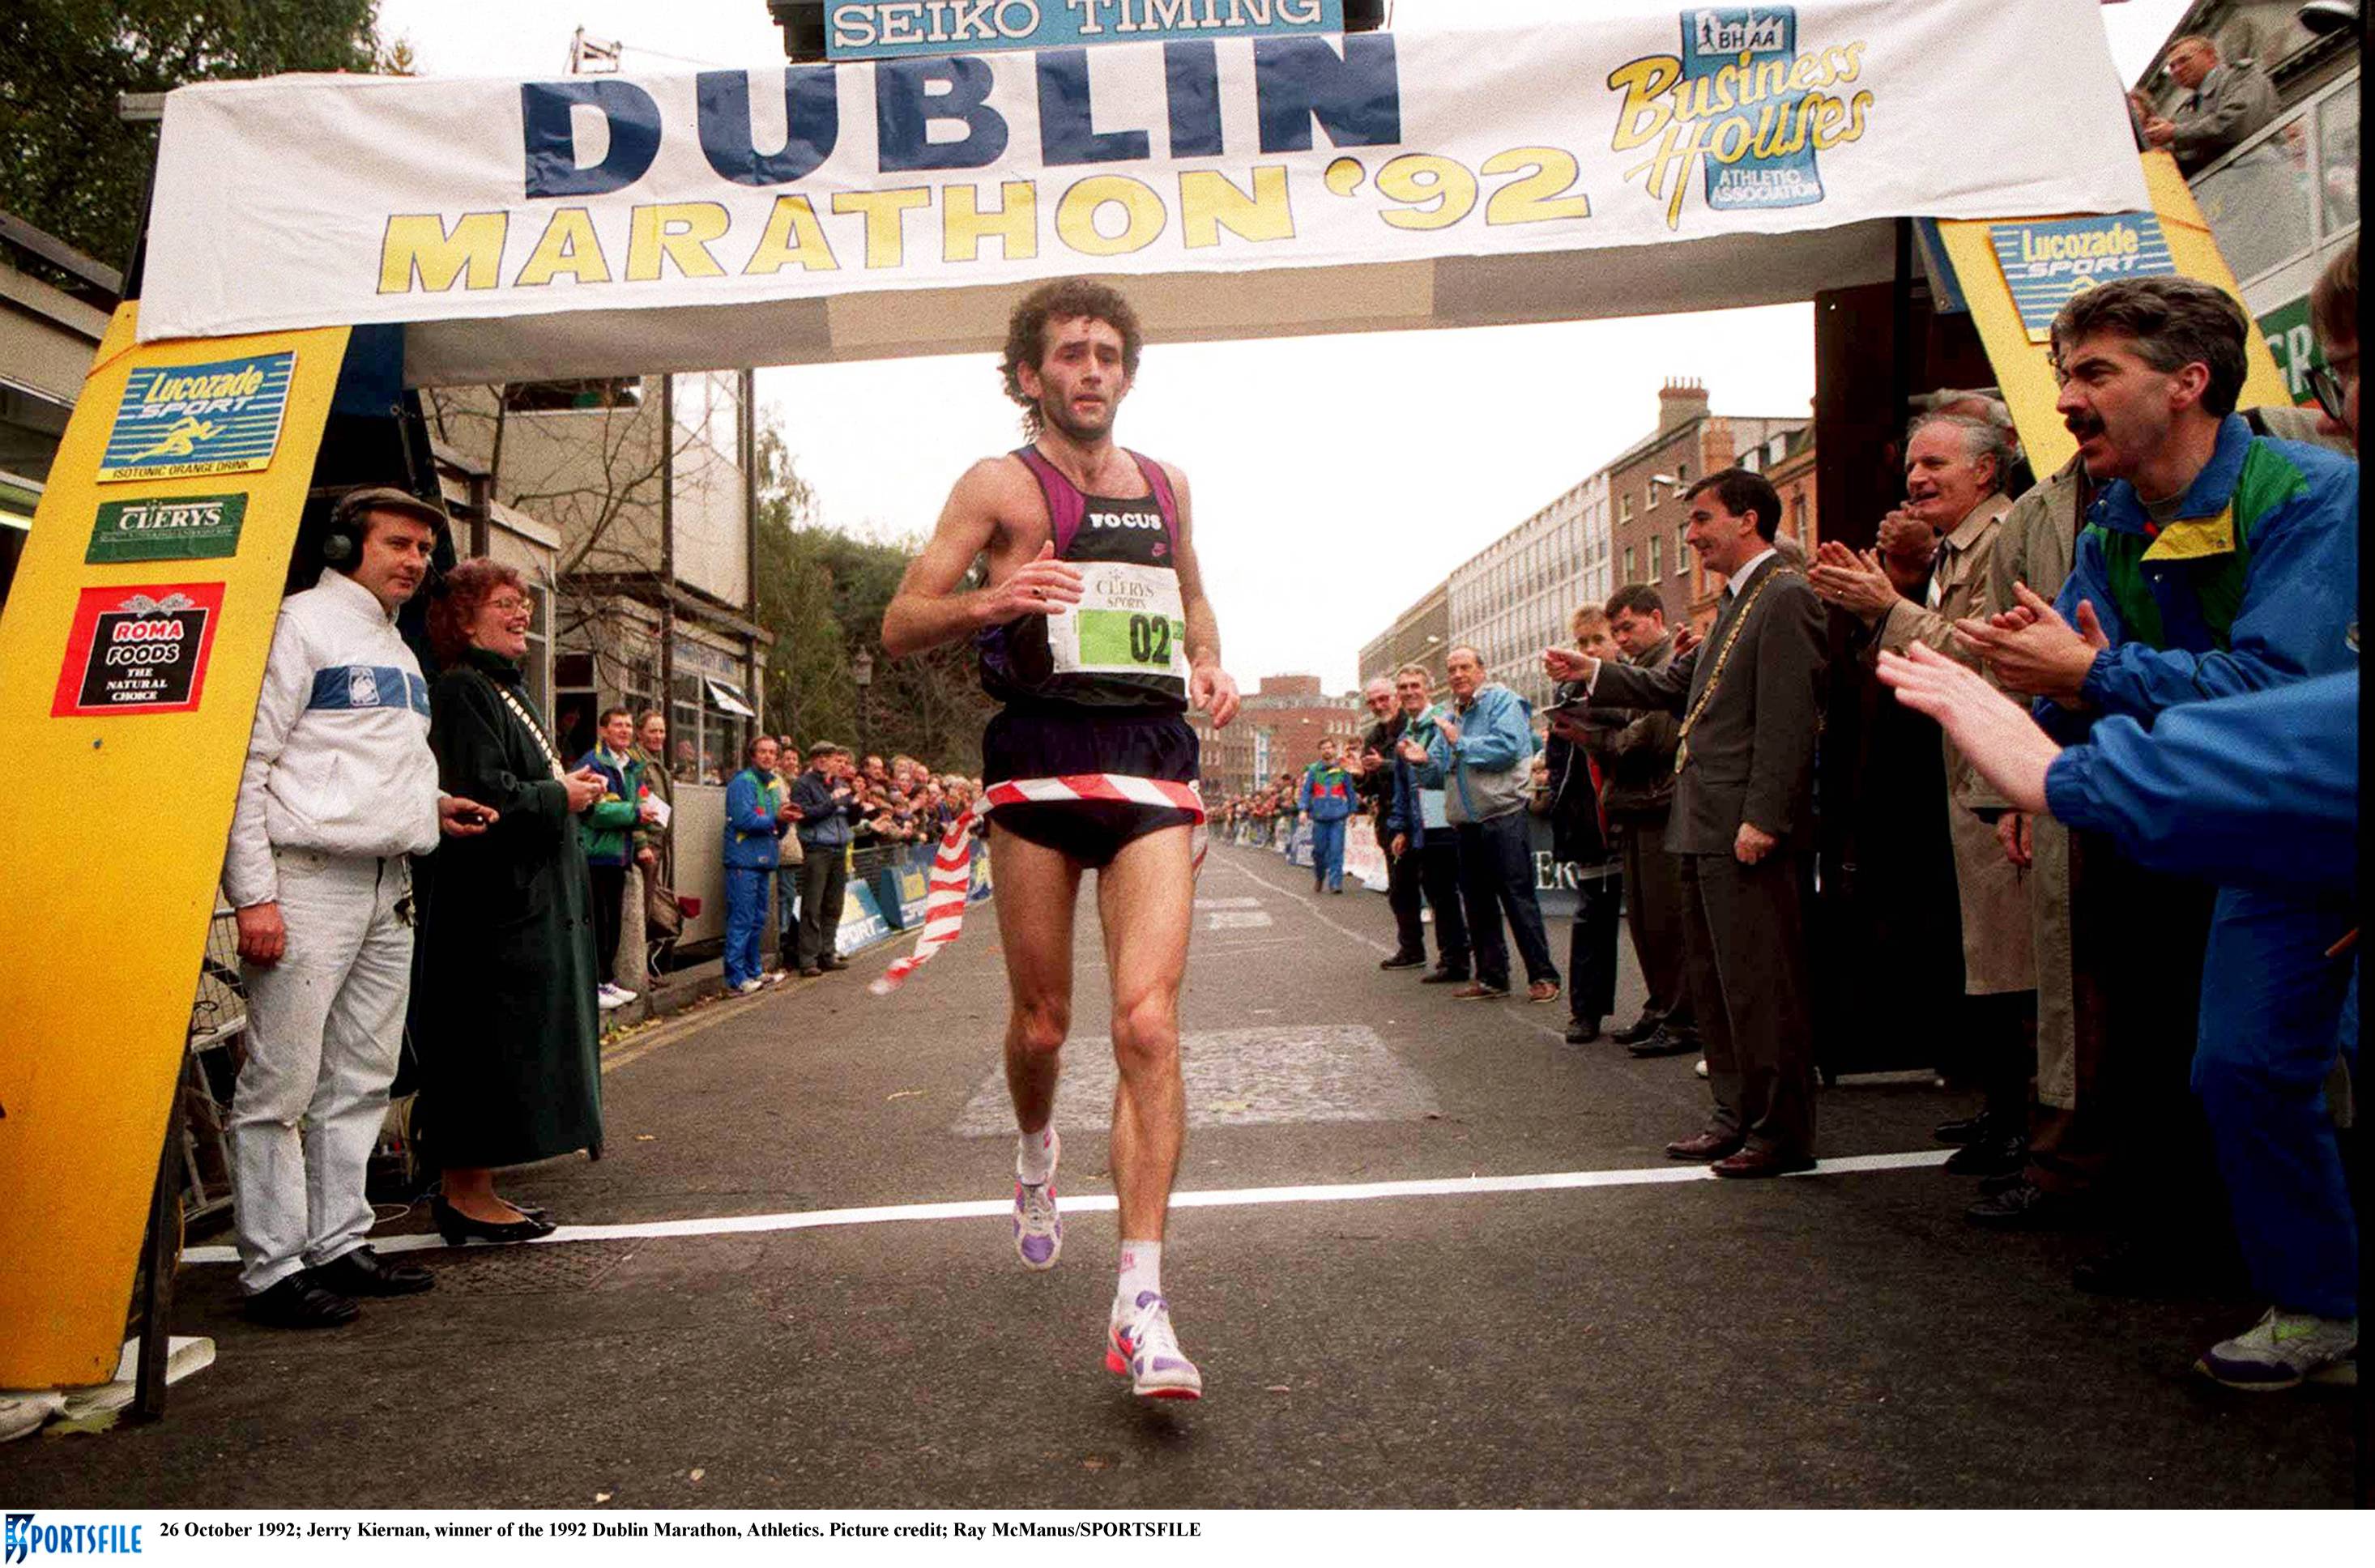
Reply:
x=1353, y=171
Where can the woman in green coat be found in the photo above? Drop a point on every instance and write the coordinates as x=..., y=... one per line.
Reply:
x=505, y=1020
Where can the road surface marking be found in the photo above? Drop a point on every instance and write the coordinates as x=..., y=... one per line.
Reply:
x=1103, y=1203
x=1235, y=920
x=1234, y=1078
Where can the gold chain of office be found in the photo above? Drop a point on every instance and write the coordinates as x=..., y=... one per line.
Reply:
x=535, y=732
x=1715, y=676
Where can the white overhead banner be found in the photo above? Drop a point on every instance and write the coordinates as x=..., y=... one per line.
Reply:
x=310, y=200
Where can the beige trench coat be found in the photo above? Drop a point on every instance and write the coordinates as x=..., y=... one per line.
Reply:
x=2034, y=544
x=1996, y=943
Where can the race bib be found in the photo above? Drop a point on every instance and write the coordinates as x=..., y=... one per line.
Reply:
x=1129, y=621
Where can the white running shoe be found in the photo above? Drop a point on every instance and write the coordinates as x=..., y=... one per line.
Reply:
x=2282, y=1350
x=609, y=996
x=1038, y=1228
x=1142, y=1346
x=749, y=985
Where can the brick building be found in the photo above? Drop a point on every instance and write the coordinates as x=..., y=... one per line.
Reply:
x=1277, y=730
x=1646, y=485
x=1787, y=458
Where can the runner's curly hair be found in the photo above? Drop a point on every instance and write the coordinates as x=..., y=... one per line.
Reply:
x=1067, y=299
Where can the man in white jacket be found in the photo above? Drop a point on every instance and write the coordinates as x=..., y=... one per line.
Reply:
x=339, y=788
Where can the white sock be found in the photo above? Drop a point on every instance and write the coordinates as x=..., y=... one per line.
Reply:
x=1034, y=1156
x=1142, y=1271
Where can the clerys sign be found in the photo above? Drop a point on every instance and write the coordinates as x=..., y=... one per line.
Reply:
x=304, y=200
x=882, y=29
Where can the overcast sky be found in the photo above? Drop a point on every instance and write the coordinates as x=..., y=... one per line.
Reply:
x=1311, y=540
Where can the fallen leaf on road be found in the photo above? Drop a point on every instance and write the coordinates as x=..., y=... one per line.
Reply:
x=1280, y=1388
x=1230, y=1107
x=647, y=1138
x=601, y=1497
x=1095, y=1462
x=904, y=1094
x=696, y=1475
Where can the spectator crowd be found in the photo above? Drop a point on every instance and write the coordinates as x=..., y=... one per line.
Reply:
x=495, y=957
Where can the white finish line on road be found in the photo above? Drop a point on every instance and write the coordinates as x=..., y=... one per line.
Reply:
x=1103, y=1203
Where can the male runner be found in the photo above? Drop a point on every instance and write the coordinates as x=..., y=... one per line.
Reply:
x=1094, y=633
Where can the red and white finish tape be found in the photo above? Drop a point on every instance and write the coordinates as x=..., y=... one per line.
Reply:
x=951, y=876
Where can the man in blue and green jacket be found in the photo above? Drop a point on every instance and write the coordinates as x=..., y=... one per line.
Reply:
x=2215, y=562
x=1325, y=799
x=606, y=833
x=756, y=818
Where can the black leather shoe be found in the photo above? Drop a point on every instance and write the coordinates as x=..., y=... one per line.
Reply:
x=458, y=1228
x=2023, y=1205
x=1963, y=1130
x=1402, y=960
x=363, y=1272
x=298, y=1302
x=1990, y=1156
x=1640, y=1029
x=1663, y=1044
x=1582, y=1030
x=1991, y=1185
x=1444, y=977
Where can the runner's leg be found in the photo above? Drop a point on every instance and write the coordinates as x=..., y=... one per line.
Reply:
x=1035, y=926
x=1144, y=900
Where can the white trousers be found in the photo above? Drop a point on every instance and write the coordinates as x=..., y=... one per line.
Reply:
x=324, y=1029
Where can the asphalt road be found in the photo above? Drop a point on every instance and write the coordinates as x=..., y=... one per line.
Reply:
x=1839, y=1339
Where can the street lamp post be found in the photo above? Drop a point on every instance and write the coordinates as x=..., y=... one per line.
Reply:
x=861, y=675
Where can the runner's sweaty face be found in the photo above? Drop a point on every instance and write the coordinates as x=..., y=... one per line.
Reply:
x=1079, y=380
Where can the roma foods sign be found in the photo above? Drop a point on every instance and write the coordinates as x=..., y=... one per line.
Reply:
x=446, y=200
x=138, y=651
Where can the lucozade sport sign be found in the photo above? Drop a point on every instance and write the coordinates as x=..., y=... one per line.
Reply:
x=355, y=199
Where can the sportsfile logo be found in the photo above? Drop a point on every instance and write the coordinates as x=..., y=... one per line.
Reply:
x=25, y=1538
x=1743, y=103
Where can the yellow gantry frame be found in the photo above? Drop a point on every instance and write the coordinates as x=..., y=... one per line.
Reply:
x=120, y=820
x=118, y=825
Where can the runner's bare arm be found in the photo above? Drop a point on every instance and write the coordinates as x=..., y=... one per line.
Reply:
x=928, y=610
x=1209, y=688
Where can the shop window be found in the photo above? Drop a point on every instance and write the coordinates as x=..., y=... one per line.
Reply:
x=575, y=704
x=2337, y=158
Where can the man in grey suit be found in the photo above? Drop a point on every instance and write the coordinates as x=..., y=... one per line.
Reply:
x=1742, y=823
x=2225, y=101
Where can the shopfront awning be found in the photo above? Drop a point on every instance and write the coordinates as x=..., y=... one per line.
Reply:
x=1613, y=165
x=18, y=499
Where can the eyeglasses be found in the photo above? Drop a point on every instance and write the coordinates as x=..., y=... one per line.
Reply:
x=2326, y=385
x=510, y=606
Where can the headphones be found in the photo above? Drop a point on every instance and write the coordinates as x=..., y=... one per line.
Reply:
x=344, y=540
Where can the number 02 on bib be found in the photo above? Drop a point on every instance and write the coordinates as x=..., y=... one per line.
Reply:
x=1129, y=621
